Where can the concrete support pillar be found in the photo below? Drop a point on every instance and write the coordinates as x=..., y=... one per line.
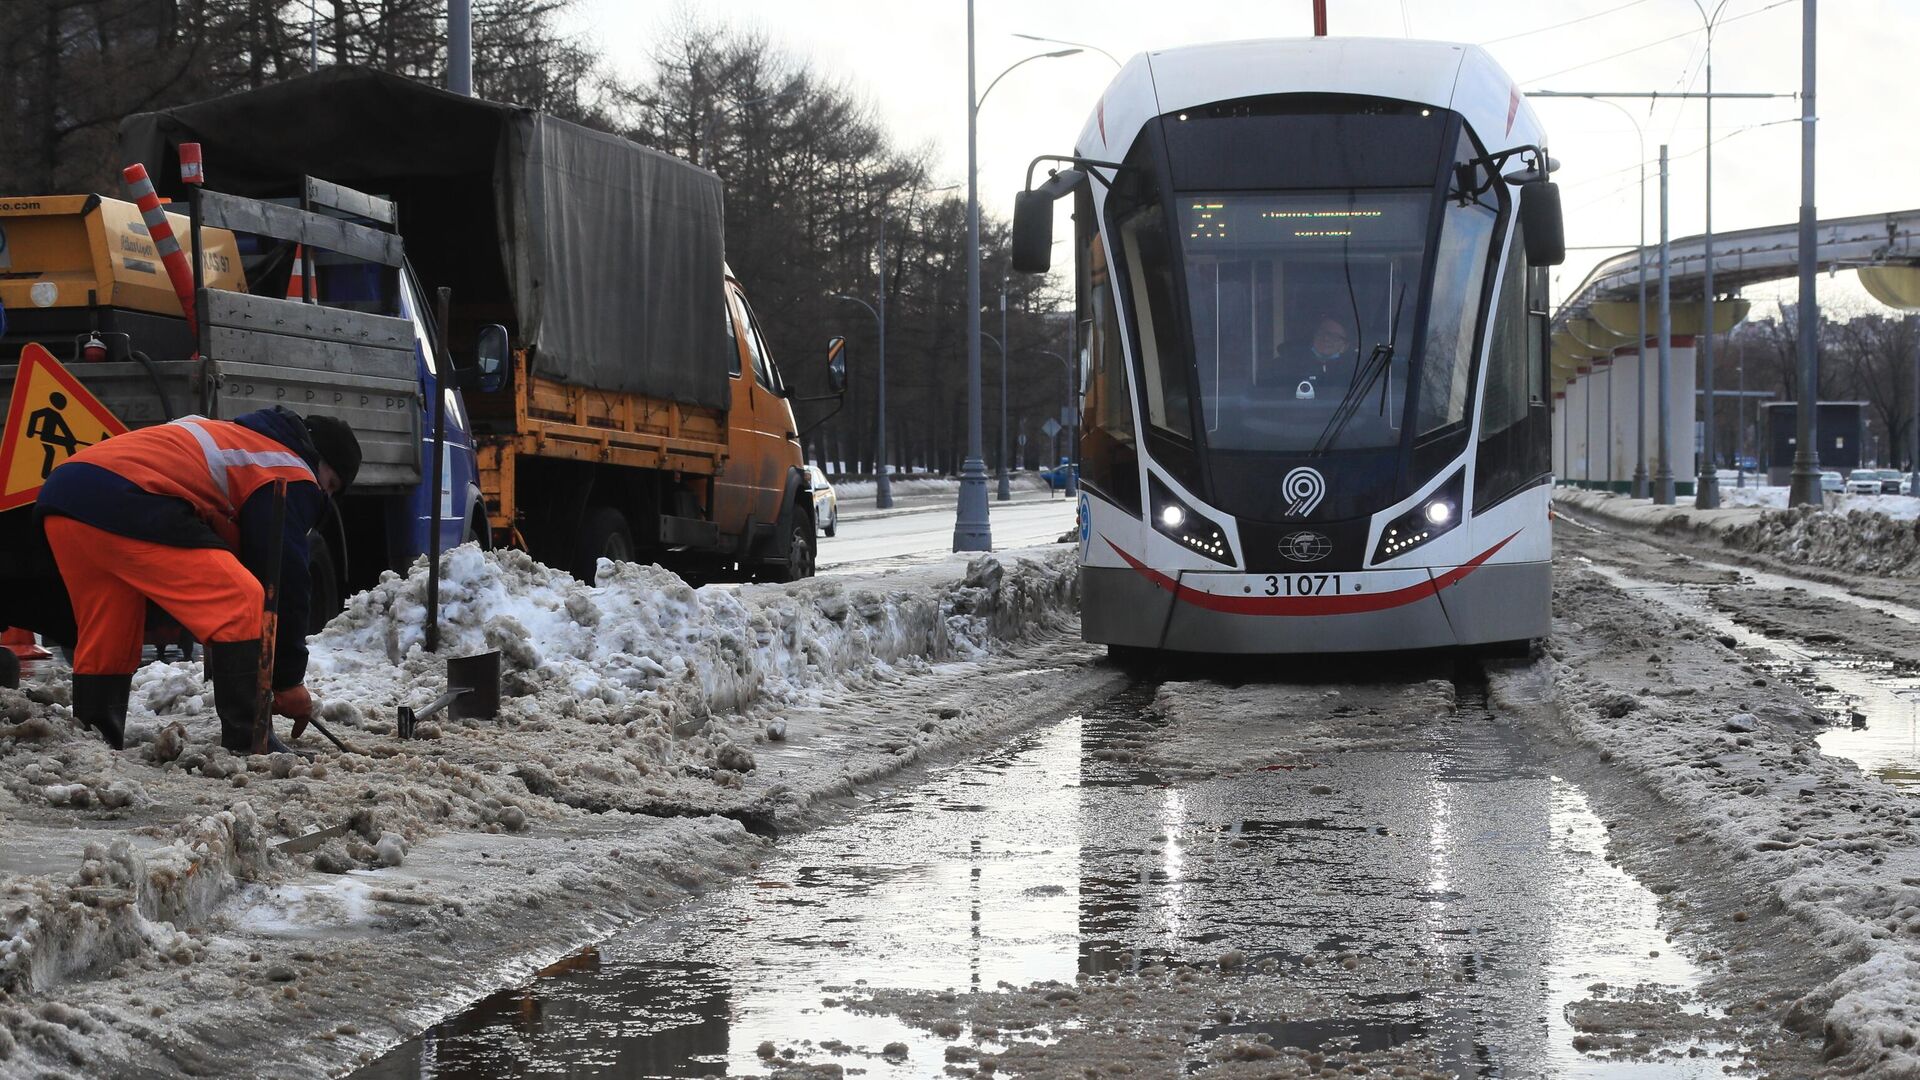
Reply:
x=1684, y=414
x=1624, y=377
x=1578, y=469
x=1560, y=429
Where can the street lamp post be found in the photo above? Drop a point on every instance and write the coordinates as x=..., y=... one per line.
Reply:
x=1706, y=491
x=971, y=528
x=1072, y=488
x=882, y=488
x=882, y=478
x=1006, y=486
x=1001, y=344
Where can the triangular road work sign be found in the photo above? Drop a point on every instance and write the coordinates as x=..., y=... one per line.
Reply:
x=49, y=418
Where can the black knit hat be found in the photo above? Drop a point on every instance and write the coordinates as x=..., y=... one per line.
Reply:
x=337, y=446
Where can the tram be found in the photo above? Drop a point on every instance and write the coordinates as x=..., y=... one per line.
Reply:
x=1311, y=288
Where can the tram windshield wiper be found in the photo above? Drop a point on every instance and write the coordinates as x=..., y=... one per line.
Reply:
x=1378, y=362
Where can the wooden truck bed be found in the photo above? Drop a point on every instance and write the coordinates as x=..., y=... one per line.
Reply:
x=572, y=423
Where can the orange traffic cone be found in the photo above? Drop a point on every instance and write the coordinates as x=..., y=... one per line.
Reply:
x=22, y=644
x=302, y=270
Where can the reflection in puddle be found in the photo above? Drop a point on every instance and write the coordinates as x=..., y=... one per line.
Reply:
x=1459, y=899
x=1873, y=711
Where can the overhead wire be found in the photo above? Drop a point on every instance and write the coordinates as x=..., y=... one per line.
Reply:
x=1558, y=25
x=1660, y=41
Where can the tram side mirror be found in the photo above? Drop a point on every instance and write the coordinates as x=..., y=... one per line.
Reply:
x=837, y=365
x=1033, y=221
x=1541, y=224
x=490, y=358
x=1032, y=232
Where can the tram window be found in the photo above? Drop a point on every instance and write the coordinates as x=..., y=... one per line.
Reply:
x=1143, y=237
x=1460, y=269
x=1515, y=433
x=1295, y=297
x=1508, y=386
x=1110, y=455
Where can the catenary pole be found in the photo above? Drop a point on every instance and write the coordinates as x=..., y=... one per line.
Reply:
x=1706, y=489
x=1663, y=465
x=1805, y=489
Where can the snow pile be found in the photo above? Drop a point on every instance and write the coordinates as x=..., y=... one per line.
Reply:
x=1818, y=852
x=1866, y=541
x=637, y=695
x=644, y=645
x=1770, y=498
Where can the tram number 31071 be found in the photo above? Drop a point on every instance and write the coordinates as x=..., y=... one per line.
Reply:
x=1303, y=585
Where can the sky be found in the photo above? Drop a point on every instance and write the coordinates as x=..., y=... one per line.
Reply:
x=908, y=59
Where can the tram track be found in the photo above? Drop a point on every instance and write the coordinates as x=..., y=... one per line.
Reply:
x=1374, y=862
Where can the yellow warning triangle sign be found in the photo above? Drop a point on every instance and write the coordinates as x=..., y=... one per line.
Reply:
x=50, y=418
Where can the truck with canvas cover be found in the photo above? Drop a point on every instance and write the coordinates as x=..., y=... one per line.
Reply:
x=84, y=279
x=643, y=416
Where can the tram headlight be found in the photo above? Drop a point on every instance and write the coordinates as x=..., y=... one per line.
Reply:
x=1434, y=516
x=1185, y=526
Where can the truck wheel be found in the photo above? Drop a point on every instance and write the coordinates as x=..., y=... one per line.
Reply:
x=325, y=600
x=603, y=534
x=800, y=546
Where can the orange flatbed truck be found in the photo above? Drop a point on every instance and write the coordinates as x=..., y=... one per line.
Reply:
x=589, y=269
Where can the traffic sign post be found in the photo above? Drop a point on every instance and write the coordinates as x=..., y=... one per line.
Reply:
x=50, y=417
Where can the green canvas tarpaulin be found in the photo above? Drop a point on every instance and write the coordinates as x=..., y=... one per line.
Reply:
x=601, y=255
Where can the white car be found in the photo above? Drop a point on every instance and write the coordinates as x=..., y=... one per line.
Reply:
x=1863, y=482
x=826, y=504
x=1832, y=481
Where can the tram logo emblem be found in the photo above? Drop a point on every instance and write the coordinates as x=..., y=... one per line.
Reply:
x=1304, y=488
x=1305, y=546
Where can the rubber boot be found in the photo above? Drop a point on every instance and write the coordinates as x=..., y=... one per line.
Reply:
x=100, y=702
x=234, y=669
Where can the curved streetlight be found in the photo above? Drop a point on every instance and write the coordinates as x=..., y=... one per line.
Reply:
x=1075, y=44
x=971, y=528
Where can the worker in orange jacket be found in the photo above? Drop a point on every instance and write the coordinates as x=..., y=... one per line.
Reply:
x=175, y=513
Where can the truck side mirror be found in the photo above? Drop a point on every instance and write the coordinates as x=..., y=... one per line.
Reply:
x=1541, y=224
x=837, y=365
x=490, y=357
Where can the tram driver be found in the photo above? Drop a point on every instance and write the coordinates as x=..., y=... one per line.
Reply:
x=1321, y=364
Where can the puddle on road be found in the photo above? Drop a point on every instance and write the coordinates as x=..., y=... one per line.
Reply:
x=1479, y=879
x=1872, y=708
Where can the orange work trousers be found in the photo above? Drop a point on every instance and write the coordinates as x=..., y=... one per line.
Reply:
x=111, y=577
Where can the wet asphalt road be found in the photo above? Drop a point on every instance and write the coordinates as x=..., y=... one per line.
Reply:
x=925, y=530
x=1438, y=891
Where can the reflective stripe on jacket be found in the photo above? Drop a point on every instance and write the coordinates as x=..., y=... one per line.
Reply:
x=215, y=465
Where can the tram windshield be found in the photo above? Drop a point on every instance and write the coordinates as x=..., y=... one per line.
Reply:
x=1303, y=312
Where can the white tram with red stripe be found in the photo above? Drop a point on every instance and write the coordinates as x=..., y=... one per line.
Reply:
x=1311, y=286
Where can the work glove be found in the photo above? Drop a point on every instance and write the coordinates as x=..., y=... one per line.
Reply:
x=294, y=703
